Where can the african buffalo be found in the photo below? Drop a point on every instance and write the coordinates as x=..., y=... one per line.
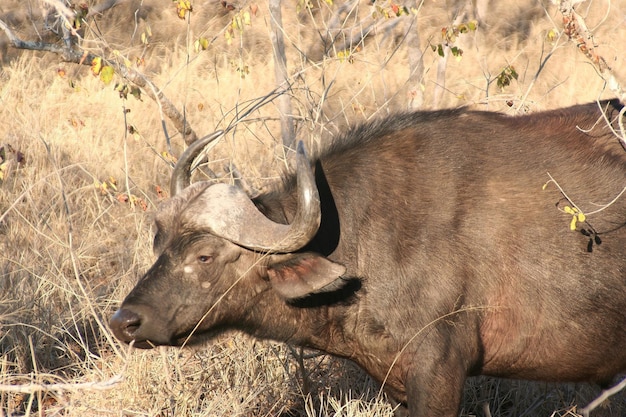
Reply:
x=424, y=246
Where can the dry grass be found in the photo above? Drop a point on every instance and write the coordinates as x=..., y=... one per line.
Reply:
x=70, y=251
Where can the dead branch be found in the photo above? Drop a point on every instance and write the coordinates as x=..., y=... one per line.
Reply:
x=288, y=131
x=67, y=54
x=76, y=56
x=575, y=28
x=103, y=6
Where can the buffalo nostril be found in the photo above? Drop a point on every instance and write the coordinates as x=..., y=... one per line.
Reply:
x=125, y=324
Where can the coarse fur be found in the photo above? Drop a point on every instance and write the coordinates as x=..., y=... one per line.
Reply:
x=444, y=251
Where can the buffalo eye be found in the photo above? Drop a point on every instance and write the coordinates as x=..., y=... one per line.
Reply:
x=205, y=259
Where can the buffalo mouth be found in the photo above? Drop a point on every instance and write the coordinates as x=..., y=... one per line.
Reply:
x=188, y=338
x=130, y=326
x=184, y=339
x=143, y=344
x=196, y=338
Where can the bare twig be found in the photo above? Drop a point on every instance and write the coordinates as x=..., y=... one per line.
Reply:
x=240, y=182
x=603, y=396
x=621, y=135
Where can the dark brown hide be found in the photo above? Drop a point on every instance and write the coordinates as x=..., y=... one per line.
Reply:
x=440, y=255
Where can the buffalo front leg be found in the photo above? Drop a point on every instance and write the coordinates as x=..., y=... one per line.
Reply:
x=435, y=390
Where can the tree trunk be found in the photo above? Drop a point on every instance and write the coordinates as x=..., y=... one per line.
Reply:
x=287, y=127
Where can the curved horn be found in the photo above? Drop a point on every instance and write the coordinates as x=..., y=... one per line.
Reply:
x=229, y=213
x=181, y=176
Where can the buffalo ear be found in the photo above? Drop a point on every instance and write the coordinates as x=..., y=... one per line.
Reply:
x=304, y=274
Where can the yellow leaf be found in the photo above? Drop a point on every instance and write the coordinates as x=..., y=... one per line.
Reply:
x=106, y=74
x=168, y=157
x=96, y=65
x=182, y=7
x=228, y=34
x=201, y=44
x=236, y=23
x=572, y=224
x=569, y=210
x=552, y=35
x=581, y=217
x=246, y=18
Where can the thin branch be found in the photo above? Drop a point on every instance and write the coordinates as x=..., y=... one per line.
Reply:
x=61, y=387
x=621, y=135
x=569, y=200
x=281, y=76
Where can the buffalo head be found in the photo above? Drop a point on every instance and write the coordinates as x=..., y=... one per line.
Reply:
x=216, y=252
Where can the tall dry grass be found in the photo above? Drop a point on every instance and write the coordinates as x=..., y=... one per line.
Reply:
x=71, y=248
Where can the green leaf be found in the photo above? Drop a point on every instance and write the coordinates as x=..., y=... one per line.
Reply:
x=136, y=92
x=506, y=76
